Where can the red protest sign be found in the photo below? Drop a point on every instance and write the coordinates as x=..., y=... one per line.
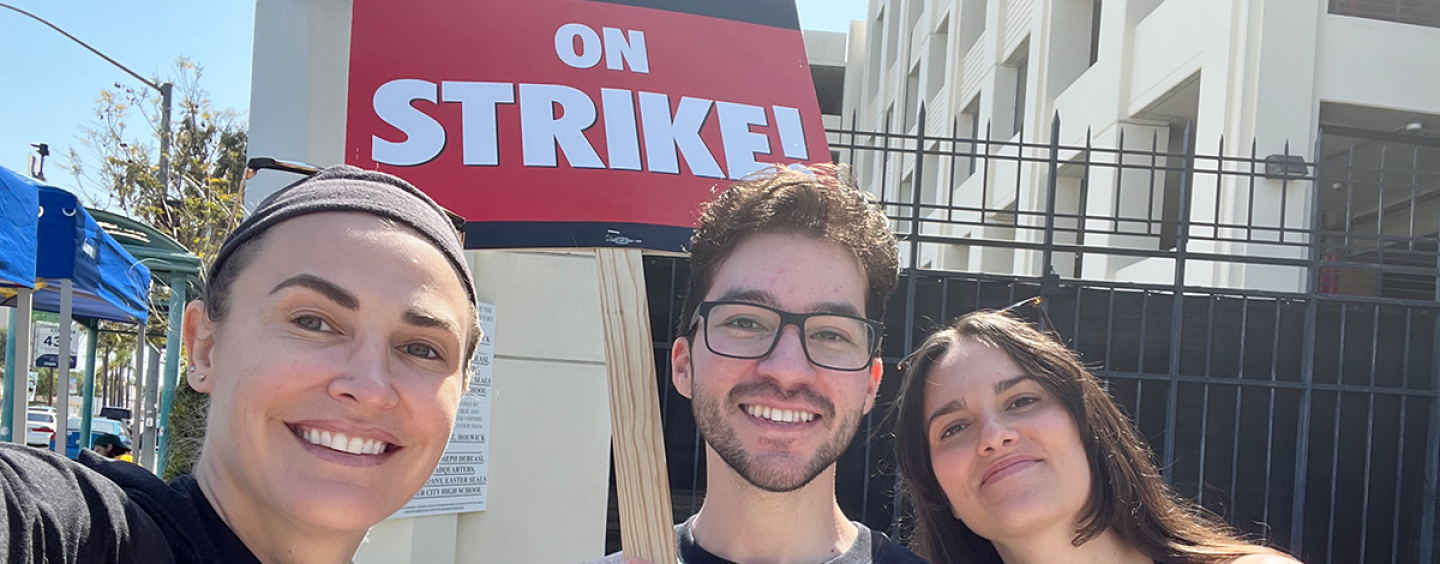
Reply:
x=578, y=123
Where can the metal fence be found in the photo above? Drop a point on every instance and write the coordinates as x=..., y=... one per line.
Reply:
x=1269, y=322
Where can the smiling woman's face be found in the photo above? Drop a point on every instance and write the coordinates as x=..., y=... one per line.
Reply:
x=1004, y=449
x=335, y=375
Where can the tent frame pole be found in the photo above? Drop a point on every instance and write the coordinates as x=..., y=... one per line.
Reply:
x=87, y=395
x=61, y=386
x=15, y=398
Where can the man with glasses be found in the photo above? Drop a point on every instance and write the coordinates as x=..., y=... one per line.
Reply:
x=779, y=354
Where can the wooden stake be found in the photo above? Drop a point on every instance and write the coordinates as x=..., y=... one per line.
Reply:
x=642, y=486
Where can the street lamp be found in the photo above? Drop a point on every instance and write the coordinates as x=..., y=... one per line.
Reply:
x=163, y=88
x=171, y=371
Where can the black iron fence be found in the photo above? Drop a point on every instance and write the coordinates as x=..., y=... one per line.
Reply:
x=1269, y=321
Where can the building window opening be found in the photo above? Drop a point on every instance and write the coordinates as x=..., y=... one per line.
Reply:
x=1095, y=32
x=937, y=60
x=1018, y=69
x=912, y=94
x=892, y=36
x=970, y=120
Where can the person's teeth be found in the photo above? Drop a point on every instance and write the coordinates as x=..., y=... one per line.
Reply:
x=780, y=415
x=343, y=443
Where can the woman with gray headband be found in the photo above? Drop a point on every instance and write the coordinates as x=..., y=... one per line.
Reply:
x=333, y=341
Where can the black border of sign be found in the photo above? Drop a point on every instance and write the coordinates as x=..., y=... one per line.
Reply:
x=775, y=13
x=576, y=234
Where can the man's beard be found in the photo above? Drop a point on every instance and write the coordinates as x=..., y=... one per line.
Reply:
x=710, y=418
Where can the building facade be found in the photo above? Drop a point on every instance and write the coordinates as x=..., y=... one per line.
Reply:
x=1350, y=84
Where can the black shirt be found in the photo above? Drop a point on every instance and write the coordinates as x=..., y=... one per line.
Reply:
x=871, y=547
x=104, y=511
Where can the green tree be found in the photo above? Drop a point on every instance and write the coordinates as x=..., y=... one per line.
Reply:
x=199, y=205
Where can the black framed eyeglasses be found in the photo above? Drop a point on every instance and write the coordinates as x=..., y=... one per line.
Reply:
x=748, y=331
x=257, y=164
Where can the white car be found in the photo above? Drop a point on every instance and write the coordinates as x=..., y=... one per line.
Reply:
x=39, y=427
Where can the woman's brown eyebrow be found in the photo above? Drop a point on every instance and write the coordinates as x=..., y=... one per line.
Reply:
x=952, y=407
x=422, y=319
x=1006, y=384
x=324, y=287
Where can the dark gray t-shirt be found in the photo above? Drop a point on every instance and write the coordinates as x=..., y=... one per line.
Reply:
x=871, y=547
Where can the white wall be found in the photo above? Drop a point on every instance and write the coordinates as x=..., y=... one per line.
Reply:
x=299, y=78
x=1376, y=63
x=825, y=47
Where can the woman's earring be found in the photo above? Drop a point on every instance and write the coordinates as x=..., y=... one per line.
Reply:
x=191, y=371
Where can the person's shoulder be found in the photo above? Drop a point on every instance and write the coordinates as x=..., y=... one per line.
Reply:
x=682, y=535
x=886, y=551
x=81, y=515
x=125, y=474
x=48, y=473
x=1265, y=558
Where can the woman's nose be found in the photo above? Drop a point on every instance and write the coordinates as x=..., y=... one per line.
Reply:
x=996, y=435
x=367, y=379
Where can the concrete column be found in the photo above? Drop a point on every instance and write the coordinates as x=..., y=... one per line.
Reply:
x=301, y=73
x=550, y=442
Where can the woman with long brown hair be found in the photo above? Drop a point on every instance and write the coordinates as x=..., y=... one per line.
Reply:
x=1011, y=451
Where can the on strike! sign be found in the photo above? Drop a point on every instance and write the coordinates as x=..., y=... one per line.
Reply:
x=578, y=123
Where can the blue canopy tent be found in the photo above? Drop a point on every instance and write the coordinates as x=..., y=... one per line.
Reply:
x=19, y=210
x=96, y=278
x=109, y=283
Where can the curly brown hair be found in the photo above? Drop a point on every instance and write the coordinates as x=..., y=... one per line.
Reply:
x=820, y=201
x=1127, y=495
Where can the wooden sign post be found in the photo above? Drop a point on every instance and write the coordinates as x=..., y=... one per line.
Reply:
x=641, y=482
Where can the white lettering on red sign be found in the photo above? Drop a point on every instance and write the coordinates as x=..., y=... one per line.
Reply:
x=554, y=118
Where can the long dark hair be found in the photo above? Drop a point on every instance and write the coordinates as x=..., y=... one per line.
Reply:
x=1127, y=494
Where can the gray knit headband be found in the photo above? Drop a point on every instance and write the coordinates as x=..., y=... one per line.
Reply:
x=344, y=188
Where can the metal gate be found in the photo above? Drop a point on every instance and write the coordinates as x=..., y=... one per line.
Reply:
x=1269, y=322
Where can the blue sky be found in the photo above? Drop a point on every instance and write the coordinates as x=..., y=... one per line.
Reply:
x=51, y=84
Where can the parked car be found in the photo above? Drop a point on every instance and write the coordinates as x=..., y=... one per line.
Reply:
x=98, y=426
x=40, y=427
x=121, y=414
